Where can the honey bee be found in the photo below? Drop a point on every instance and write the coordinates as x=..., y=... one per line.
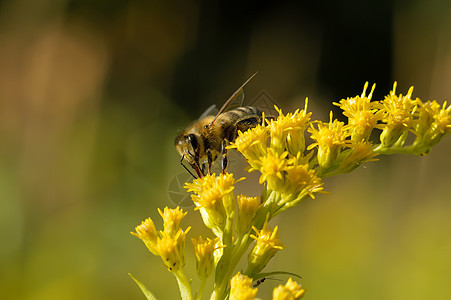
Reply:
x=206, y=139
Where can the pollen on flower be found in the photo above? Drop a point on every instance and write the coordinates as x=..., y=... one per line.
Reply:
x=290, y=291
x=241, y=288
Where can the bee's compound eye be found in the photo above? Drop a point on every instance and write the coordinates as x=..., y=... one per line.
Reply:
x=193, y=141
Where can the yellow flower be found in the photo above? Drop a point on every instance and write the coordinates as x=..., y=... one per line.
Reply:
x=400, y=111
x=204, y=256
x=362, y=114
x=440, y=123
x=168, y=244
x=272, y=166
x=330, y=139
x=299, y=178
x=266, y=246
x=425, y=112
x=241, y=288
x=148, y=234
x=361, y=152
x=252, y=143
x=295, y=132
x=213, y=197
x=247, y=207
x=172, y=219
x=287, y=131
x=290, y=291
x=172, y=249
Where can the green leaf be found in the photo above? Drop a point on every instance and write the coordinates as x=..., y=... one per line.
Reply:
x=146, y=292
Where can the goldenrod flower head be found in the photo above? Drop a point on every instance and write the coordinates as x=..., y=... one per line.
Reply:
x=213, y=197
x=266, y=246
x=241, y=288
x=287, y=131
x=272, y=166
x=252, y=143
x=361, y=152
x=148, y=234
x=299, y=178
x=362, y=114
x=400, y=111
x=440, y=126
x=442, y=119
x=330, y=138
x=290, y=291
x=172, y=249
x=247, y=207
x=425, y=113
x=204, y=255
x=172, y=219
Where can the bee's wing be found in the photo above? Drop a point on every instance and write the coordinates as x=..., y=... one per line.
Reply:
x=235, y=100
x=211, y=111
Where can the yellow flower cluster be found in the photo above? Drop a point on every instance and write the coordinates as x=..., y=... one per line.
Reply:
x=266, y=246
x=291, y=171
x=169, y=244
x=290, y=291
x=241, y=288
x=277, y=152
x=214, y=198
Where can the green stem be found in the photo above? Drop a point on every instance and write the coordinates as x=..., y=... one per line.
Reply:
x=222, y=274
x=413, y=149
x=184, y=285
x=201, y=288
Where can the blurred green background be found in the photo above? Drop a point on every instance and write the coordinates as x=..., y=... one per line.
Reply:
x=92, y=94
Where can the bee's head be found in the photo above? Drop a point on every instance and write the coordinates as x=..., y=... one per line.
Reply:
x=188, y=146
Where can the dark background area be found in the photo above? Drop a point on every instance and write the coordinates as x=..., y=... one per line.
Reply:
x=93, y=93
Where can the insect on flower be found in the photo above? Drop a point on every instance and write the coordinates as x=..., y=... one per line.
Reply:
x=207, y=138
x=261, y=280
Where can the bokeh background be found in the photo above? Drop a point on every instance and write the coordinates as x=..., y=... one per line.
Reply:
x=92, y=94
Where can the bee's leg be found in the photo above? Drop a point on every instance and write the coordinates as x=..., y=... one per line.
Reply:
x=203, y=168
x=224, y=156
x=209, y=160
x=191, y=173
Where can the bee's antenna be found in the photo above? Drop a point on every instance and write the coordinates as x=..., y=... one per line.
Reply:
x=181, y=162
x=231, y=98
